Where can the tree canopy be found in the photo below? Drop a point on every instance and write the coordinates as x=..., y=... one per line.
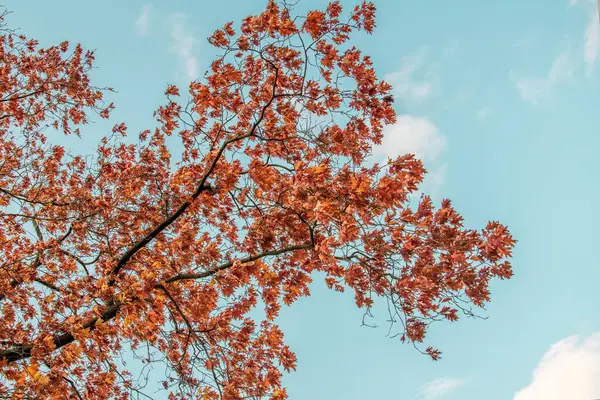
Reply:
x=256, y=178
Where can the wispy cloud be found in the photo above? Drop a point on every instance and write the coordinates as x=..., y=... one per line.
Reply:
x=570, y=369
x=406, y=85
x=142, y=23
x=183, y=44
x=591, y=45
x=438, y=388
x=535, y=89
x=591, y=36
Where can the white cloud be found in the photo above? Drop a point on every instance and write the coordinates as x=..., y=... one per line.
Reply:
x=183, y=44
x=405, y=85
x=570, y=369
x=418, y=136
x=591, y=45
x=142, y=23
x=414, y=135
x=438, y=388
x=591, y=37
x=534, y=89
x=577, y=2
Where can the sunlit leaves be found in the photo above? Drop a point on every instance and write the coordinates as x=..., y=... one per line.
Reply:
x=184, y=246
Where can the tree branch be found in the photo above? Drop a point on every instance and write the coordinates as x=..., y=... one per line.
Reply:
x=199, y=275
x=24, y=351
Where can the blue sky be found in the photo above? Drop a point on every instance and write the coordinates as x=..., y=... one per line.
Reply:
x=500, y=99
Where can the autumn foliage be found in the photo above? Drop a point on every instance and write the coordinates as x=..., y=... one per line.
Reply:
x=157, y=251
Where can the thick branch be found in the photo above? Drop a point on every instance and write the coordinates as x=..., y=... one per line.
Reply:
x=202, y=186
x=24, y=351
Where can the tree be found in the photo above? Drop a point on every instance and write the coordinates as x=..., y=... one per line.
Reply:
x=163, y=246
